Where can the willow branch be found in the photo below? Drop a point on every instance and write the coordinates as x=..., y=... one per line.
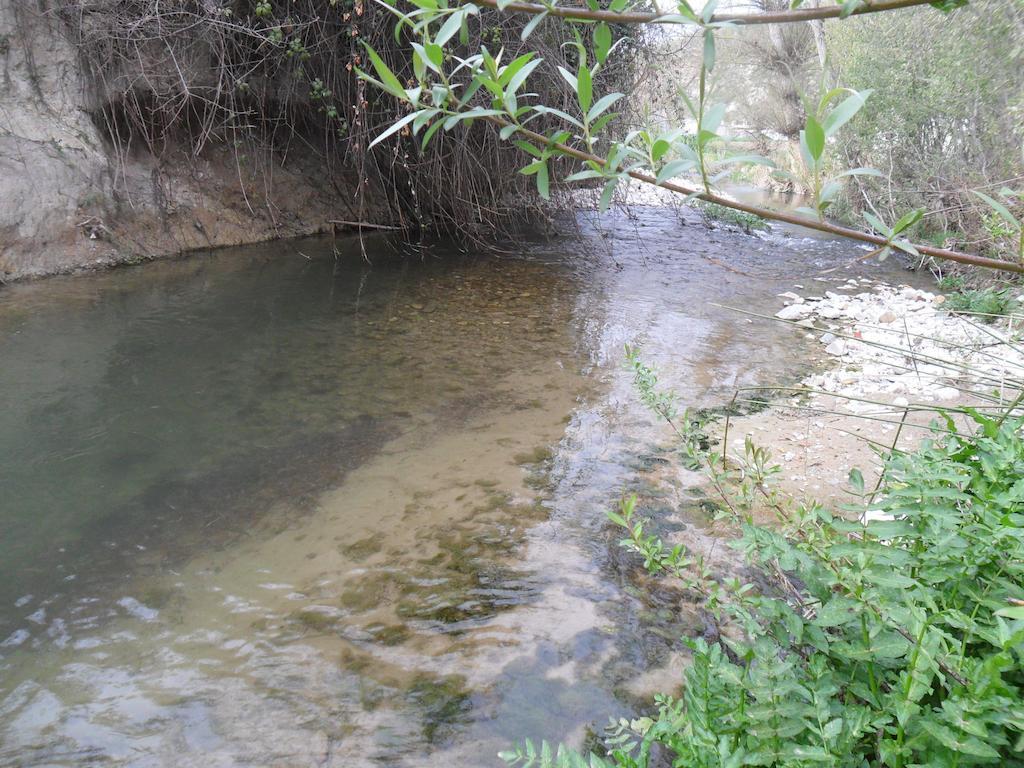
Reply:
x=580, y=13
x=764, y=213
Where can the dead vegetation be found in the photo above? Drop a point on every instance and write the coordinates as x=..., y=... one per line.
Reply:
x=271, y=77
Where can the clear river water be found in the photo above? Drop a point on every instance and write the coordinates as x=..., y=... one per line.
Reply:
x=287, y=506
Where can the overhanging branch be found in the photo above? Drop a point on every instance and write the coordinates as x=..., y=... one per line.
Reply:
x=764, y=213
x=580, y=13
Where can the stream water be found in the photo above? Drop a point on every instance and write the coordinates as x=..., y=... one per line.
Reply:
x=279, y=506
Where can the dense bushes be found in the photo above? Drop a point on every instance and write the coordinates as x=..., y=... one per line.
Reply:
x=946, y=115
x=266, y=76
x=889, y=639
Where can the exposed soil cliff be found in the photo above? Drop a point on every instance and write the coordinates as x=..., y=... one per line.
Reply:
x=70, y=198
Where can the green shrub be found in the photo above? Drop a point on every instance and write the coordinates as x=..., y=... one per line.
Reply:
x=982, y=301
x=748, y=222
x=895, y=639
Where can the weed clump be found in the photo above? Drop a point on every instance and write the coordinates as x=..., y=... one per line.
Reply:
x=987, y=302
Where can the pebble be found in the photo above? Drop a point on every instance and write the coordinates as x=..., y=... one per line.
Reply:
x=837, y=347
x=794, y=312
x=912, y=351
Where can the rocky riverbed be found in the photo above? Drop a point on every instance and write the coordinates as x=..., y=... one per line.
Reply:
x=902, y=342
x=891, y=356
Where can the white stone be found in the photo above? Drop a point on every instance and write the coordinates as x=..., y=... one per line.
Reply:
x=837, y=347
x=793, y=312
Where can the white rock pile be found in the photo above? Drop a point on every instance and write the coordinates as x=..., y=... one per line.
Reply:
x=898, y=344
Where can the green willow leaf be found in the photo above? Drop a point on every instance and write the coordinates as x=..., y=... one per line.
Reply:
x=509, y=71
x=713, y=118
x=709, y=50
x=387, y=78
x=451, y=26
x=558, y=113
x=999, y=208
x=860, y=172
x=584, y=87
x=746, y=160
x=518, y=78
x=429, y=134
x=532, y=25
x=602, y=104
x=569, y=77
x=607, y=193
x=673, y=169
x=907, y=220
x=542, y=182
x=844, y=112
x=877, y=224
x=814, y=136
x=395, y=127
x=529, y=148
x=602, y=42
x=601, y=122
x=584, y=176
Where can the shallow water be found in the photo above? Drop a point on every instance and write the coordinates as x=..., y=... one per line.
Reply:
x=279, y=506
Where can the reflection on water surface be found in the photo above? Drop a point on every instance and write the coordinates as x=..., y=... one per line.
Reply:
x=264, y=508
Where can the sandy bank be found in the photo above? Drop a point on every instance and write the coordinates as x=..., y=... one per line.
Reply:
x=890, y=356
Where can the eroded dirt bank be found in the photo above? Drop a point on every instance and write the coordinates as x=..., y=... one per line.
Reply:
x=70, y=199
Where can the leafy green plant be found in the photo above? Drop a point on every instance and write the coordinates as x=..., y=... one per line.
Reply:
x=970, y=137
x=894, y=638
x=453, y=88
x=893, y=233
x=951, y=283
x=991, y=302
x=748, y=222
x=1002, y=223
x=821, y=126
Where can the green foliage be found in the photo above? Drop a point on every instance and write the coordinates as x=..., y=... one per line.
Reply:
x=892, y=233
x=820, y=127
x=946, y=115
x=1001, y=223
x=992, y=302
x=892, y=639
x=452, y=88
x=275, y=74
x=951, y=283
x=748, y=222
